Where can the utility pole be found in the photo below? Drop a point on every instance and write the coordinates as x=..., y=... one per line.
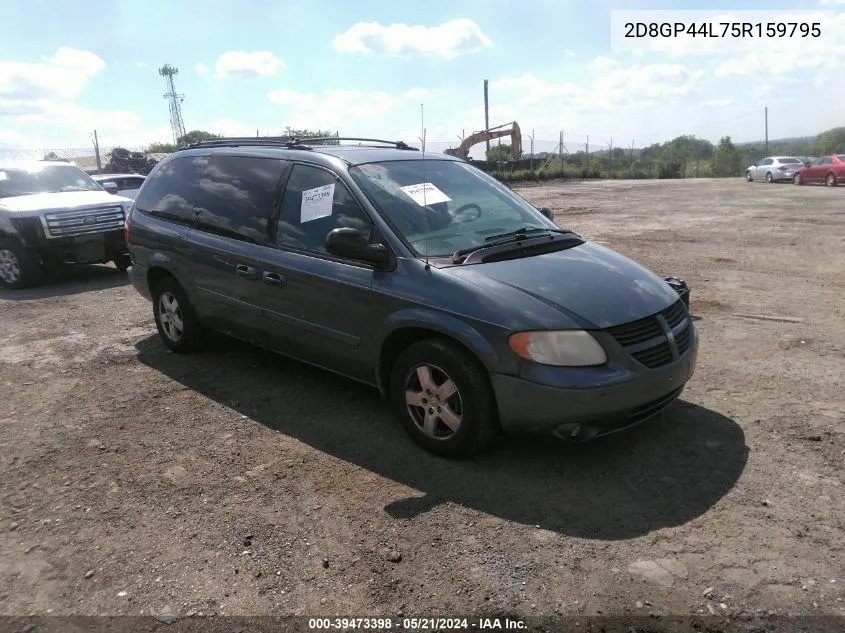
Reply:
x=560, y=149
x=587, y=154
x=631, y=156
x=97, y=152
x=486, y=113
x=767, y=130
x=532, y=149
x=610, y=160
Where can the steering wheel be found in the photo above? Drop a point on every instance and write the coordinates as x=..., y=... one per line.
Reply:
x=465, y=208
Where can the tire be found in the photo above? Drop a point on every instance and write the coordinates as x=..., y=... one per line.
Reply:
x=769, y=177
x=123, y=262
x=749, y=177
x=796, y=180
x=182, y=340
x=19, y=267
x=830, y=180
x=472, y=409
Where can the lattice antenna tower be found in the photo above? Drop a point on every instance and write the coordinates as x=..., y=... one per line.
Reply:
x=174, y=100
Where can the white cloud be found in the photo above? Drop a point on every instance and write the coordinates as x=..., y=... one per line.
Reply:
x=569, y=52
x=202, y=69
x=337, y=109
x=59, y=76
x=716, y=103
x=245, y=65
x=447, y=40
x=601, y=64
x=831, y=2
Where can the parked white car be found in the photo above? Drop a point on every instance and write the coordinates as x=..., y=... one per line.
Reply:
x=774, y=168
x=126, y=185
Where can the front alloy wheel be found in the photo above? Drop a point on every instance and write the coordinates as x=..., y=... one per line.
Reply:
x=796, y=179
x=434, y=402
x=19, y=266
x=442, y=395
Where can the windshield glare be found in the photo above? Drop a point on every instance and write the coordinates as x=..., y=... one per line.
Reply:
x=458, y=207
x=22, y=181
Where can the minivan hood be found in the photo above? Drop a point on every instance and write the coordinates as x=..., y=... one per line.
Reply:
x=60, y=200
x=590, y=284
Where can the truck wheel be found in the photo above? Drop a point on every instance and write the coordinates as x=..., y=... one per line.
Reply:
x=123, y=262
x=443, y=397
x=19, y=266
x=175, y=318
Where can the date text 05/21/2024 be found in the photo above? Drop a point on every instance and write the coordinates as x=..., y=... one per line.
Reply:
x=723, y=29
x=415, y=624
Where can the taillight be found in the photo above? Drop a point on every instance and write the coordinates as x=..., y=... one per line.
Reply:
x=126, y=228
x=783, y=168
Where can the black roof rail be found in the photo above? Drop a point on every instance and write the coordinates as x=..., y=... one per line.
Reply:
x=288, y=142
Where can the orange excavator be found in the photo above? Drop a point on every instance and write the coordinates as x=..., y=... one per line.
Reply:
x=508, y=129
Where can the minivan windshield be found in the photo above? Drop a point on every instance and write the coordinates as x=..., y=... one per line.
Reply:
x=22, y=181
x=443, y=206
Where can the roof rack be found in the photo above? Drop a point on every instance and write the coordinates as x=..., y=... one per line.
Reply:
x=290, y=143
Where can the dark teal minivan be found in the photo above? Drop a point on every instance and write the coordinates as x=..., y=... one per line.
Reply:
x=417, y=273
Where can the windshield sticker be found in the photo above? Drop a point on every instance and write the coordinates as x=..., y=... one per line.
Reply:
x=425, y=193
x=316, y=203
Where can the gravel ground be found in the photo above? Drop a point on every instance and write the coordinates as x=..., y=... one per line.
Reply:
x=236, y=482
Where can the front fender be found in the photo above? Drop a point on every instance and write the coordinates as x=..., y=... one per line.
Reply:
x=445, y=324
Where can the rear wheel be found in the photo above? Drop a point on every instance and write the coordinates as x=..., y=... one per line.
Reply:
x=443, y=397
x=830, y=180
x=796, y=179
x=769, y=177
x=19, y=266
x=175, y=318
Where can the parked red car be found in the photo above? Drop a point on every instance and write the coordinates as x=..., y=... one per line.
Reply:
x=828, y=169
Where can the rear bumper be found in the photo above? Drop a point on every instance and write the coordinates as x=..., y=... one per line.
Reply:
x=138, y=278
x=782, y=175
x=598, y=403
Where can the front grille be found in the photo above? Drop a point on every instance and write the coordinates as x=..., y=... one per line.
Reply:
x=84, y=221
x=647, y=339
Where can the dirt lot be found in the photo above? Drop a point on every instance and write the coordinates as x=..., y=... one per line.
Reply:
x=237, y=482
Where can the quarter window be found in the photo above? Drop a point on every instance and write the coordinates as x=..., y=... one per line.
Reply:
x=236, y=195
x=315, y=203
x=168, y=191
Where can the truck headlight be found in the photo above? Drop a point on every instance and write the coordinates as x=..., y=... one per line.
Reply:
x=566, y=348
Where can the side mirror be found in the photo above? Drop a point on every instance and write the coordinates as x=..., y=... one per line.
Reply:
x=548, y=213
x=350, y=243
x=110, y=186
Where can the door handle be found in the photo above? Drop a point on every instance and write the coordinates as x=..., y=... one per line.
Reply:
x=274, y=279
x=247, y=272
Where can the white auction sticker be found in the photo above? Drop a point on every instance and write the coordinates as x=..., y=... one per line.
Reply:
x=316, y=203
x=425, y=193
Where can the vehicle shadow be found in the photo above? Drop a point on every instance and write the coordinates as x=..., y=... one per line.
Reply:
x=662, y=474
x=70, y=280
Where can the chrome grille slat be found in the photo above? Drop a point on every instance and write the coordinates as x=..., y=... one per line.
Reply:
x=71, y=223
x=646, y=340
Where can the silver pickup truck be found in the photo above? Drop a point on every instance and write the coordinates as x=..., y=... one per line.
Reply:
x=53, y=213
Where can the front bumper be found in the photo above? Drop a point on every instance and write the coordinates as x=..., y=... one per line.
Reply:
x=594, y=402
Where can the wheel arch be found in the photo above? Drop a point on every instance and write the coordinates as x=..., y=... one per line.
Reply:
x=408, y=328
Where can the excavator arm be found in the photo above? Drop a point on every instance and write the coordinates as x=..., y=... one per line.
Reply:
x=508, y=129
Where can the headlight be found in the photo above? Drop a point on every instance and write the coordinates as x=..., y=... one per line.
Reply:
x=568, y=348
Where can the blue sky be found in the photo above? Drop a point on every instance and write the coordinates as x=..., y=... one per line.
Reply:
x=365, y=67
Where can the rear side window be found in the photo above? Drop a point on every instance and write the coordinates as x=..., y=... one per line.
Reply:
x=236, y=195
x=130, y=183
x=169, y=191
x=767, y=161
x=316, y=202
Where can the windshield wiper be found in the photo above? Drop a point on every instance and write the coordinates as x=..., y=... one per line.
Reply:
x=525, y=230
x=507, y=238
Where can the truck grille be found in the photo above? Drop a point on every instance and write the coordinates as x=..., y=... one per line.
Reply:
x=83, y=221
x=648, y=340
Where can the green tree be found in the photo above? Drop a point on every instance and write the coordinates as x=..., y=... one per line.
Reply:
x=161, y=148
x=499, y=152
x=304, y=133
x=727, y=160
x=830, y=142
x=196, y=136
